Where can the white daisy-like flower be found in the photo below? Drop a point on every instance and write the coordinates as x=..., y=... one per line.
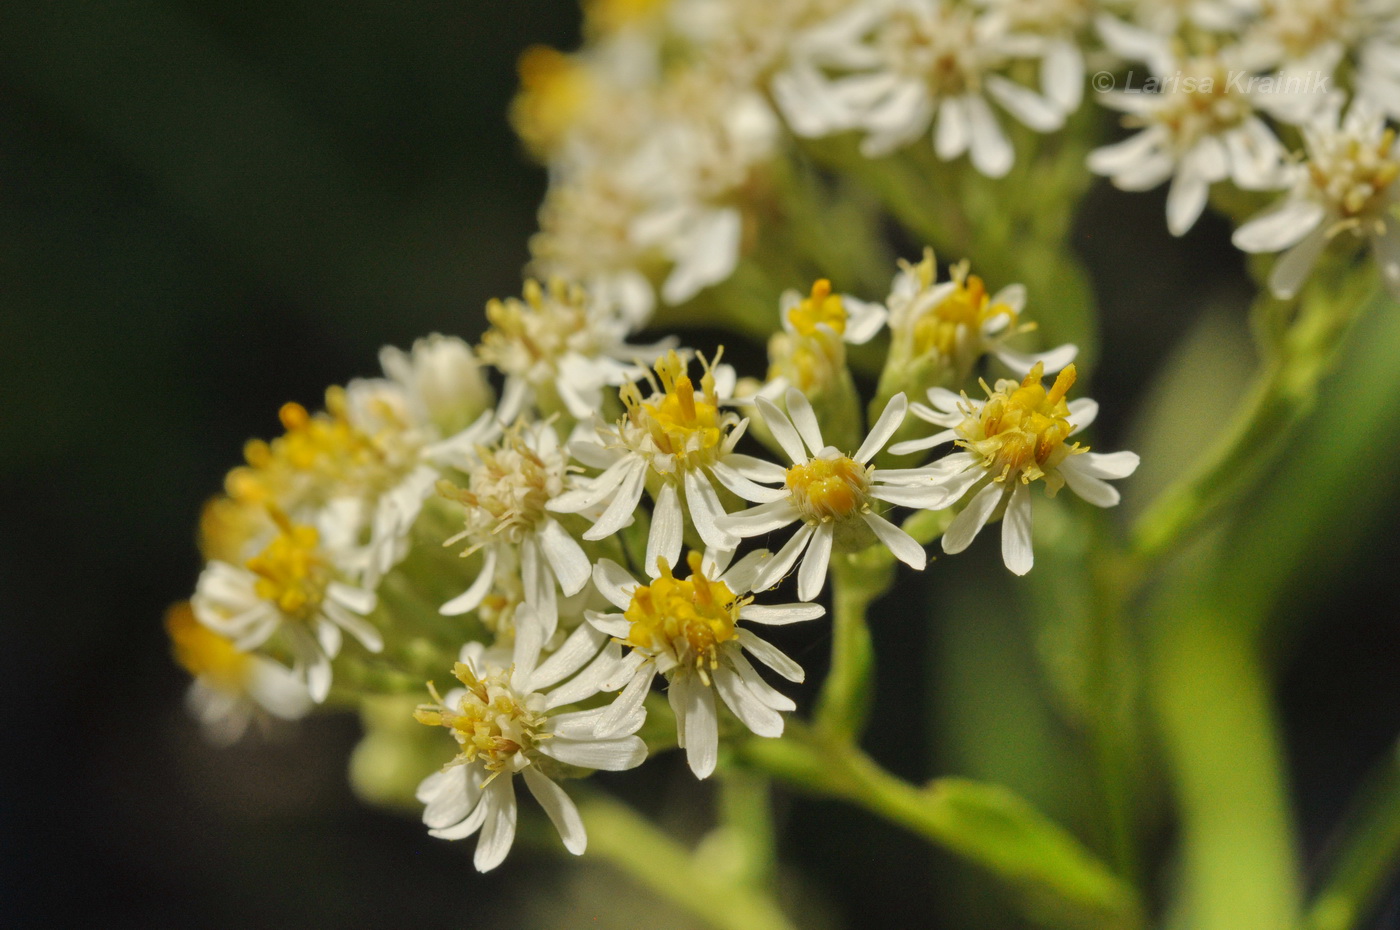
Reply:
x=1057, y=29
x=1202, y=125
x=508, y=489
x=292, y=589
x=1347, y=184
x=1013, y=438
x=441, y=381
x=558, y=348
x=683, y=439
x=945, y=328
x=687, y=630
x=231, y=688
x=831, y=494
x=809, y=352
x=906, y=65
x=506, y=723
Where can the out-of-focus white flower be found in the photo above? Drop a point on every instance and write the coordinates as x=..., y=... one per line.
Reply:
x=1012, y=439
x=291, y=589
x=441, y=380
x=1347, y=184
x=687, y=630
x=231, y=688
x=508, y=488
x=945, y=328
x=831, y=494
x=506, y=724
x=1199, y=122
x=901, y=66
x=1056, y=29
x=558, y=347
x=679, y=437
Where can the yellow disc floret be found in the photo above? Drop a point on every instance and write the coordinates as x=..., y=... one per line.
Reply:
x=944, y=327
x=676, y=420
x=555, y=91
x=292, y=572
x=691, y=619
x=206, y=655
x=492, y=723
x=1021, y=431
x=826, y=489
x=821, y=307
x=506, y=491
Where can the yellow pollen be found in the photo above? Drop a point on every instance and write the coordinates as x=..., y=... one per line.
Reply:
x=693, y=617
x=554, y=92
x=829, y=489
x=822, y=307
x=205, y=654
x=490, y=722
x=1022, y=430
x=965, y=311
x=680, y=422
x=291, y=571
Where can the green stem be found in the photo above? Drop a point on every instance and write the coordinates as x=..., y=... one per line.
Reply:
x=856, y=580
x=1368, y=855
x=631, y=843
x=1239, y=868
x=986, y=824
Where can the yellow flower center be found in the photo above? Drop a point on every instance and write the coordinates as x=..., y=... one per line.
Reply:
x=491, y=722
x=554, y=91
x=540, y=328
x=291, y=571
x=829, y=489
x=820, y=307
x=965, y=311
x=205, y=654
x=506, y=491
x=1356, y=176
x=693, y=617
x=1022, y=430
x=679, y=421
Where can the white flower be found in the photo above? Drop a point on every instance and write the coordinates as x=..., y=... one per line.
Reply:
x=1201, y=126
x=1055, y=28
x=291, y=588
x=558, y=347
x=231, y=688
x=680, y=436
x=506, y=724
x=810, y=351
x=827, y=492
x=687, y=630
x=907, y=65
x=1346, y=185
x=946, y=328
x=508, y=489
x=441, y=380
x=1013, y=438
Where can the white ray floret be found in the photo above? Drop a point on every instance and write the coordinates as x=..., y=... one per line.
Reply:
x=829, y=494
x=687, y=631
x=507, y=723
x=1010, y=440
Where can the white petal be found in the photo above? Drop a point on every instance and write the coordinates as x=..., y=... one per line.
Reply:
x=890, y=419
x=450, y=796
x=1083, y=411
x=561, y=810
x=765, y=518
x=1025, y=104
x=1108, y=464
x=1186, y=199
x=928, y=496
x=779, y=615
x=498, y=832
x=1062, y=74
x=752, y=712
x=471, y=598
x=1016, y=531
x=1022, y=362
x=1292, y=268
x=705, y=510
x=805, y=419
x=991, y=150
x=1386, y=250
x=622, y=508
x=743, y=487
x=760, y=470
x=565, y=556
x=595, y=490
x=969, y=523
x=575, y=652
x=1279, y=228
x=667, y=527
x=905, y=547
x=694, y=705
x=614, y=582
x=608, y=755
x=591, y=680
x=771, y=656
x=774, y=571
x=951, y=133
x=624, y=715
x=355, y=625
x=1093, y=490
x=811, y=577
x=782, y=429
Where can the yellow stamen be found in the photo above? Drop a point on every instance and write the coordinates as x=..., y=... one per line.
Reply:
x=964, y=311
x=829, y=489
x=490, y=722
x=1021, y=431
x=291, y=571
x=205, y=654
x=693, y=617
x=820, y=308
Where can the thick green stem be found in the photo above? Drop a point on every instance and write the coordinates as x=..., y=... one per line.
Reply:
x=986, y=824
x=847, y=693
x=1239, y=867
x=630, y=842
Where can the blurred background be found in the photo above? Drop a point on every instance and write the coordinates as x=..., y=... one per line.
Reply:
x=207, y=210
